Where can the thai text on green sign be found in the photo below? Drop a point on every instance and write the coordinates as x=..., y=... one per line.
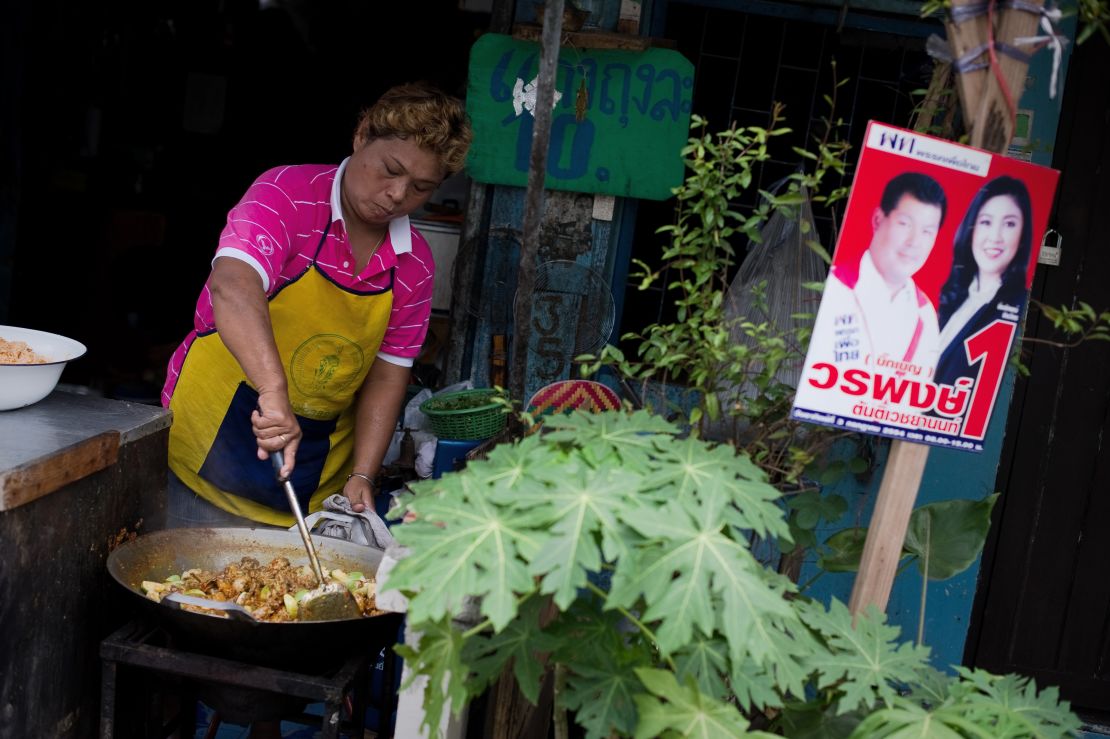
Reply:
x=618, y=126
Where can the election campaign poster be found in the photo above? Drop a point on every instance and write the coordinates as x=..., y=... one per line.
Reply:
x=928, y=284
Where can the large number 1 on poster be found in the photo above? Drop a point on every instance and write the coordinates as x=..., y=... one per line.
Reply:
x=990, y=347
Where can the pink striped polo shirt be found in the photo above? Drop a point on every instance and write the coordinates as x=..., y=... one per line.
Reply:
x=276, y=228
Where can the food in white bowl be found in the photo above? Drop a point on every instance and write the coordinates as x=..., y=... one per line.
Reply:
x=31, y=363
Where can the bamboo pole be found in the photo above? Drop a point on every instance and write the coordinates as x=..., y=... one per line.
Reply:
x=511, y=716
x=533, y=199
x=987, y=113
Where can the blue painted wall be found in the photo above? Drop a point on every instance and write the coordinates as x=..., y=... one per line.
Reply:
x=492, y=303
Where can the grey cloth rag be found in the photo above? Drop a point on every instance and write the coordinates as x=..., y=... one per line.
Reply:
x=339, y=521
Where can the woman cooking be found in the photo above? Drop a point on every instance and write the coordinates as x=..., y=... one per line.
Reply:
x=987, y=281
x=316, y=306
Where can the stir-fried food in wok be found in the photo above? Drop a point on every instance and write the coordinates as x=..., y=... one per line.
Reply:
x=271, y=592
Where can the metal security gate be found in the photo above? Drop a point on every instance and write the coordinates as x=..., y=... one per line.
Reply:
x=780, y=52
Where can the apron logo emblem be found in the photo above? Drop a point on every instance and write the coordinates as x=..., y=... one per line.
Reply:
x=325, y=365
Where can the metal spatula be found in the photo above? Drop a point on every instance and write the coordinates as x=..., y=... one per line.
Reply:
x=328, y=601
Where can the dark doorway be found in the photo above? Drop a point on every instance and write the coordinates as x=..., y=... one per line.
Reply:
x=1043, y=604
x=135, y=127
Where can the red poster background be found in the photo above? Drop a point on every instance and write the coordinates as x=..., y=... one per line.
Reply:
x=876, y=167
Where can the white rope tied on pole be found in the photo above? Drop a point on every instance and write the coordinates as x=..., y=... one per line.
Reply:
x=1050, y=17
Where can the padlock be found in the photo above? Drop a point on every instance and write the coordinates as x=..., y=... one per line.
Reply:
x=1050, y=252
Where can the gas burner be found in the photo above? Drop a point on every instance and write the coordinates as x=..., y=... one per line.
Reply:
x=160, y=679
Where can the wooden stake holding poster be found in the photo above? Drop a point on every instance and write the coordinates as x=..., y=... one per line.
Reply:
x=928, y=284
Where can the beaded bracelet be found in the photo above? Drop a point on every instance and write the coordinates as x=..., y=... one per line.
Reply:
x=364, y=477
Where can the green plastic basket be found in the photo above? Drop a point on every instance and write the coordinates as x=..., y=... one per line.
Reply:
x=477, y=420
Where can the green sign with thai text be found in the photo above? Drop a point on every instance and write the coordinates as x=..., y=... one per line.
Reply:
x=618, y=126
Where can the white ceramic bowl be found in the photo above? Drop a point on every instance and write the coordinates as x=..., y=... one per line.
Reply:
x=24, y=384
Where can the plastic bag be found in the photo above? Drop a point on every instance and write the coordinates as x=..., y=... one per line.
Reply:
x=783, y=263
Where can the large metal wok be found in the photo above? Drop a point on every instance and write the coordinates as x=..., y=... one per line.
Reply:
x=302, y=644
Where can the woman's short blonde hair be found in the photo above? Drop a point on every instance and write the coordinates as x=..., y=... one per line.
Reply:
x=423, y=113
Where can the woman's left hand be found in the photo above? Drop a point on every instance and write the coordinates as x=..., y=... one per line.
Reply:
x=361, y=494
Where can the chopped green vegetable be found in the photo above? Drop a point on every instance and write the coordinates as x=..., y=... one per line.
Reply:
x=150, y=586
x=300, y=594
x=290, y=604
x=173, y=578
x=265, y=592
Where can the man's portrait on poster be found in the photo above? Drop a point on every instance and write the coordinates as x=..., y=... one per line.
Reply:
x=878, y=314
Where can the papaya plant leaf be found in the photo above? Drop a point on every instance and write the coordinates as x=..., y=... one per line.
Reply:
x=680, y=710
x=581, y=512
x=587, y=634
x=438, y=655
x=864, y=660
x=786, y=658
x=906, y=720
x=931, y=687
x=463, y=545
x=522, y=641
x=704, y=661
x=680, y=576
x=602, y=695
x=689, y=467
x=811, y=720
x=1012, y=705
x=673, y=572
x=750, y=684
x=953, y=532
x=505, y=465
x=595, y=645
x=634, y=437
x=979, y=705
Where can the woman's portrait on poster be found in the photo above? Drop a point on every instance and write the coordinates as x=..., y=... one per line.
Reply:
x=990, y=257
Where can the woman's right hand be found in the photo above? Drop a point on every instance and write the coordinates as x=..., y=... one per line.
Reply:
x=242, y=317
x=276, y=428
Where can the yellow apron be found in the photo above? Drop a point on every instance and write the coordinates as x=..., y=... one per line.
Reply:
x=212, y=447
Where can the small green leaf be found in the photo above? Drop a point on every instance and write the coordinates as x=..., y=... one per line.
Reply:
x=950, y=534
x=845, y=548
